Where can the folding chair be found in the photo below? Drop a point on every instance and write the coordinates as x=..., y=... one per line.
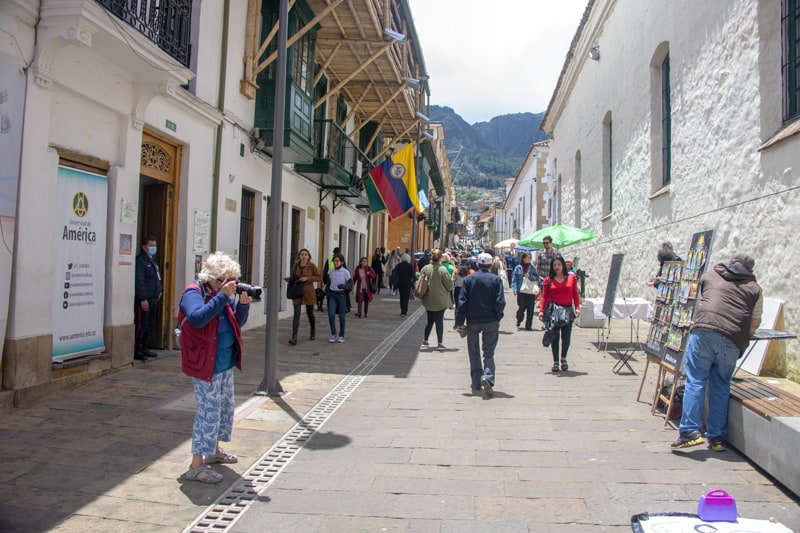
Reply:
x=623, y=359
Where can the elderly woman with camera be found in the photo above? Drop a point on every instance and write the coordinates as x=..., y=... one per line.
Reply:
x=210, y=319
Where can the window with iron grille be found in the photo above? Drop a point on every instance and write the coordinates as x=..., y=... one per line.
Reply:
x=246, y=232
x=790, y=24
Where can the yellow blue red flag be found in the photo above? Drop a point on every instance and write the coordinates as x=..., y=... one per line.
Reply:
x=396, y=181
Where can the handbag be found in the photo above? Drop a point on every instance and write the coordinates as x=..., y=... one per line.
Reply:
x=421, y=287
x=529, y=287
x=346, y=287
x=295, y=288
x=374, y=286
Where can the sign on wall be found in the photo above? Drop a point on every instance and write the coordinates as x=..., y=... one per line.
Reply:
x=80, y=263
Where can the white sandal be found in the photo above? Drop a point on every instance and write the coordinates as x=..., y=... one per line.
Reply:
x=221, y=457
x=203, y=474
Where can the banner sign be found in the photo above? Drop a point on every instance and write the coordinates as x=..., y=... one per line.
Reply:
x=80, y=263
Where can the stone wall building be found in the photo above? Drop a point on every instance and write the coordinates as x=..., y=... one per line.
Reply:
x=671, y=118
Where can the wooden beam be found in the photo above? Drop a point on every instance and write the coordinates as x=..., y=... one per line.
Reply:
x=326, y=64
x=300, y=33
x=386, y=149
x=385, y=104
x=353, y=74
x=374, y=135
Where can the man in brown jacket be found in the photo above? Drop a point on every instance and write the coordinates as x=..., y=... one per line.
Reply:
x=727, y=315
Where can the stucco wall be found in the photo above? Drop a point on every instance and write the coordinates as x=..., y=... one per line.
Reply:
x=725, y=95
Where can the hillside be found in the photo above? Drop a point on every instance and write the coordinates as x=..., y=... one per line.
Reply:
x=485, y=153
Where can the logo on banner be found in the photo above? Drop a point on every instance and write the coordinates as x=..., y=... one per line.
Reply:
x=80, y=204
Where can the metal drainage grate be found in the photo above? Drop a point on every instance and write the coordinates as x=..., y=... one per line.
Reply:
x=228, y=508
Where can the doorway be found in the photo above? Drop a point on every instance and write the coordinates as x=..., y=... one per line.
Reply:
x=158, y=188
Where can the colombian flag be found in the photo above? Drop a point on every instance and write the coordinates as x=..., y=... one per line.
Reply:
x=396, y=182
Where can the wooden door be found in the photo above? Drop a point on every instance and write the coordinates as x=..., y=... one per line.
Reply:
x=159, y=180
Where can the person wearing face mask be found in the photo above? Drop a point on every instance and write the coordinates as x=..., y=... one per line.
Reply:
x=147, y=294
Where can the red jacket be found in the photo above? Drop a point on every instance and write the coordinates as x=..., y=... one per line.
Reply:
x=199, y=345
x=564, y=294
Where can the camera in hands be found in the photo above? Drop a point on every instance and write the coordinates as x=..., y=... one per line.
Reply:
x=253, y=291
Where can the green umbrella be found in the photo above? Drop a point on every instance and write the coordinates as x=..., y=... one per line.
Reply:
x=562, y=236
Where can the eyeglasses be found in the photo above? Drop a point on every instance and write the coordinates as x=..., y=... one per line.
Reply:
x=547, y=242
x=220, y=280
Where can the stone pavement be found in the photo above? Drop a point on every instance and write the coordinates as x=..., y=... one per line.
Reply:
x=405, y=447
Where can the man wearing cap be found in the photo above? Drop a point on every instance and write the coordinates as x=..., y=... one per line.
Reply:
x=481, y=303
x=728, y=313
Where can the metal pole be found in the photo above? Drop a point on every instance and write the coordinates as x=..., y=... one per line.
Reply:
x=270, y=384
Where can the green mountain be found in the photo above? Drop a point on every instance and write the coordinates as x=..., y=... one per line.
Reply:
x=485, y=153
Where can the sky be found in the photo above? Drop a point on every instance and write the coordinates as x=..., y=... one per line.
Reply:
x=490, y=58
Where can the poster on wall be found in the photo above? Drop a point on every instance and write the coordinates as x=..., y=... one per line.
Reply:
x=80, y=263
x=12, y=102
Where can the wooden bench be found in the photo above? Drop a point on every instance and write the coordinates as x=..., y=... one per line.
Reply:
x=763, y=399
x=764, y=425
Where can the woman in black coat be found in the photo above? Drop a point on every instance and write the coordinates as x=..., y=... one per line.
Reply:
x=405, y=281
x=377, y=266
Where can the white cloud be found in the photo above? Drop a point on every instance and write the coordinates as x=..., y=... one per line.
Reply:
x=491, y=58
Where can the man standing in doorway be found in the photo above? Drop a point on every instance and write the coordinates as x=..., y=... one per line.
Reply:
x=727, y=314
x=147, y=294
x=481, y=303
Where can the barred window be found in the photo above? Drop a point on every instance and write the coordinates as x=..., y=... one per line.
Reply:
x=790, y=24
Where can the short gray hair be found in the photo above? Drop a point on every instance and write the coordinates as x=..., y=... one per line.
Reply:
x=219, y=265
x=744, y=260
x=406, y=258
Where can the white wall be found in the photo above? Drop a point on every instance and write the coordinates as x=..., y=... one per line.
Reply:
x=725, y=94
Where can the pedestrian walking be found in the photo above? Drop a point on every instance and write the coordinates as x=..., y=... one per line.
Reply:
x=544, y=259
x=211, y=346
x=394, y=258
x=728, y=313
x=307, y=272
x=405, y=277
x=560, y=292
x=437, y=299
x=525, y=286
x=377, y=267
x=339, y=284
x=364, y=276
x=480, y=308
x=510, y=258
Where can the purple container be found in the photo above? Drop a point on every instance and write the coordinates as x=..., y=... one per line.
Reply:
x=717, y=506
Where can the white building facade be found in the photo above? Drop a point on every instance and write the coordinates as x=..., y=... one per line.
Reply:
x=672, y=118
x=174, y=134
x=527, y=197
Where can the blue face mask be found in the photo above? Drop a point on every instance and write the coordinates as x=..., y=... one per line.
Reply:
x=152, y=250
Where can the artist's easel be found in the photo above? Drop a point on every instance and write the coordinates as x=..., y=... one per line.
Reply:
x=669, y=330
x=656, y=361
x=664, y=370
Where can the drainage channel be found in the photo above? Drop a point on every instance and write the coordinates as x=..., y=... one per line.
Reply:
x=229, y=507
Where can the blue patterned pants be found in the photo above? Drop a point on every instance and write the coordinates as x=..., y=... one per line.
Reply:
x=214, y=419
